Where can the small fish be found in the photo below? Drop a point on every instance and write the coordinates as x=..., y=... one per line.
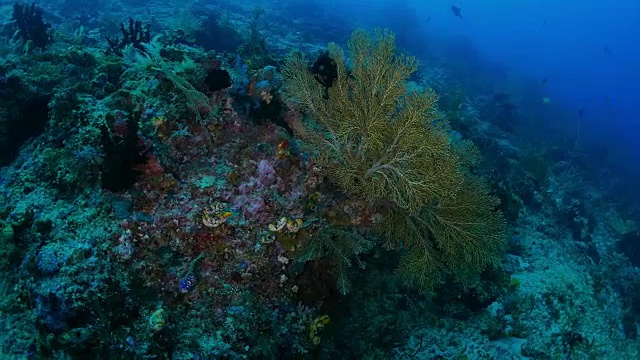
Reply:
x=607, y=52
x=581, y=112
x=427, y=20
x=456, y=11
x=544, y=82
x=546, y=100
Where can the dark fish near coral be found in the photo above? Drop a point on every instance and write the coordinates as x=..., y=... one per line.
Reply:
x=456, y=11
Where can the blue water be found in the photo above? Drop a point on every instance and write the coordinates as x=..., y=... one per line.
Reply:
x=585, y=49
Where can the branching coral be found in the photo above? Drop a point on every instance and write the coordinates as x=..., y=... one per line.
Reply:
x=377, y=141
x=30, y=26
x=458, y=237
x=340, y=246
x=136, y=34
x=387, y=145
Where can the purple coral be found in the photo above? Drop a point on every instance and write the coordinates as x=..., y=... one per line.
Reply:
x=266, y=173
x=250, y=195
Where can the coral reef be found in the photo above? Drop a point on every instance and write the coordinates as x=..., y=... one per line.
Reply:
x=204, y=193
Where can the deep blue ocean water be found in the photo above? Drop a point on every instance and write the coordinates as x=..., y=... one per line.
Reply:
x=585, y=49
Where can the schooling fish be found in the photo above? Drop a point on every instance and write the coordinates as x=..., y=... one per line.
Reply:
x=456, y=11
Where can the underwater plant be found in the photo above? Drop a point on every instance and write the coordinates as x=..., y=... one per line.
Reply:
x=384, y=144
